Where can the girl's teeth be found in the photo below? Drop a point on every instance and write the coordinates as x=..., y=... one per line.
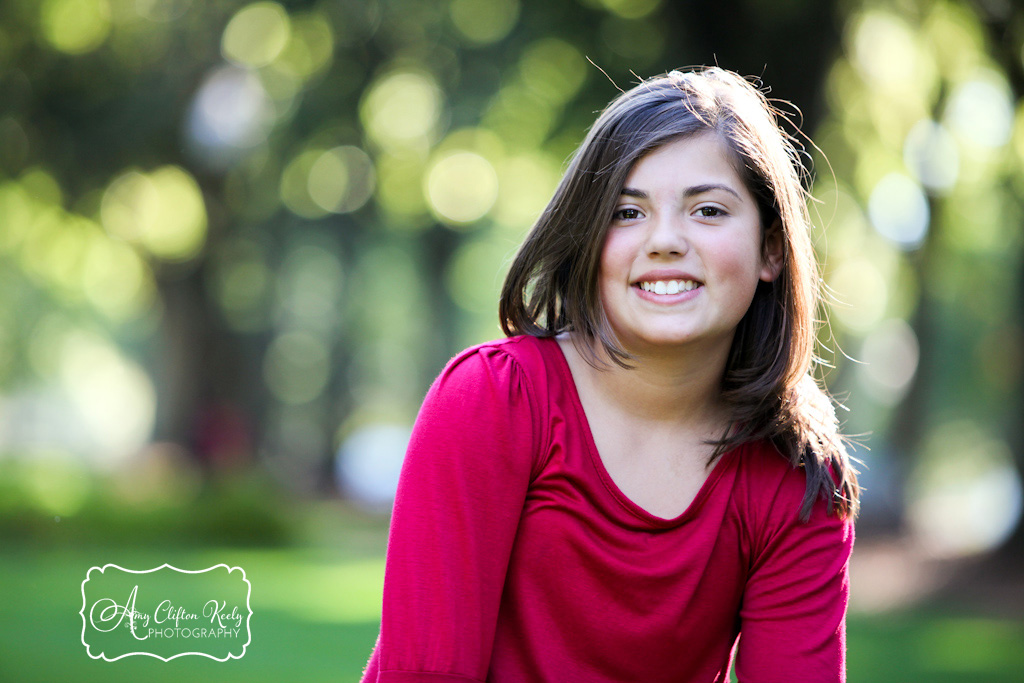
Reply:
x=668, y=286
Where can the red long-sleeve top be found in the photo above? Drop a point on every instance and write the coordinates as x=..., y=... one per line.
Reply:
x=513, y=556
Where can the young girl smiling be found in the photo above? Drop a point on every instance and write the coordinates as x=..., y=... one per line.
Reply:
x=643, y=476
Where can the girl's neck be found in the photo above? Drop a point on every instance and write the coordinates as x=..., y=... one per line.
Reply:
x=679, y=389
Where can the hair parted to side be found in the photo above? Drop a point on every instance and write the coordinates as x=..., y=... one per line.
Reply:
x=767, y=387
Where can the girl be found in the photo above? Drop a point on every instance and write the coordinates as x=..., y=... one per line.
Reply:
x=643, y=476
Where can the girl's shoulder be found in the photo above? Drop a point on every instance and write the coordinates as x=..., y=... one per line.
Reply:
x=524, y=349
x=522, y=364
x=504, y=384
x=768, y=477
x=522, y=360
x=772, y=490
x=762, y=460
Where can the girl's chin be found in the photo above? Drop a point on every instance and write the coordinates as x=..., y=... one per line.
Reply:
x=662, y=342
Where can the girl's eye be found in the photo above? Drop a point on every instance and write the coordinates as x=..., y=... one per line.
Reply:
x=710, y=212
x=626, y=214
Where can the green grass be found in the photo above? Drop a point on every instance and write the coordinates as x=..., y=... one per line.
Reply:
x=935, y=644
x=315, y=613
x=314, y=618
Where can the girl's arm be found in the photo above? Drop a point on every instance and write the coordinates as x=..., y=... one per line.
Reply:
x=793, y=617
x=460, y=495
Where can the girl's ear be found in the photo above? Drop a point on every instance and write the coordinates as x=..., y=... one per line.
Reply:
x=771, y=255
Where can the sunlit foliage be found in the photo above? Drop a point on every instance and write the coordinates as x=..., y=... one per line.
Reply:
x=924, y=252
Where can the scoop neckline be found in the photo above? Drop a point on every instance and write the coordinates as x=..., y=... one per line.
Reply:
x=624, y=501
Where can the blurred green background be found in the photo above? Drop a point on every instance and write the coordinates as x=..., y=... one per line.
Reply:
x=238, y=240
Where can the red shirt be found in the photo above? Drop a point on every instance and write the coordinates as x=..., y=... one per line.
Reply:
x=513, y=556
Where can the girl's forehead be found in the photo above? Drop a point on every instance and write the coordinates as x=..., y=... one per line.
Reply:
x=700, y=154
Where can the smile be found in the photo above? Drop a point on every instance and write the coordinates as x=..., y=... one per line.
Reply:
x=668, y=286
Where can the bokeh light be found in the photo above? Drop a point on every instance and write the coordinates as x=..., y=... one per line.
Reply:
x=476, y=271
x=980, y=110
x=890, y=355
x=115, y=279
x=310, y=47
x=230, y=112
x=17, y=209
x=42, y=186
x=402, y=109
x=461, y=187
x=112, y=395
x=369, y=463
x=964, y=495
x=525, y=184
x=930, y=152
x=400, y=188
x=162, y=212
x=295, y=184
x=898, y=209
x=631, y=9
x=52, y=251
x=341, y=180
x=256, y=35
x=484, y=21
x=885, y=50
x=75, y=26
x=862, y=293
x=553, y=69
x=328, y=180
x=520, y=116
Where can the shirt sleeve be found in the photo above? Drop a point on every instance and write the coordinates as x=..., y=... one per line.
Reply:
x=460, y=496
x=793, y=615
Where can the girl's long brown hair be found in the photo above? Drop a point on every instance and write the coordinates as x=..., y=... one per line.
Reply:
x=767, y=386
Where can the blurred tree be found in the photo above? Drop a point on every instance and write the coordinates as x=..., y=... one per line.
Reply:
x=1004, y=23
x=924, y=135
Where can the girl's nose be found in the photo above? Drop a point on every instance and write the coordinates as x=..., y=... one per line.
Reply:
x=666, y=236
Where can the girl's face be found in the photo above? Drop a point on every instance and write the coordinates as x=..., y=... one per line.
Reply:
x=682, y=257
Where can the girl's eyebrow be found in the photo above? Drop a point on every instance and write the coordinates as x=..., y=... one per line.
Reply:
x=688, y=192
x=708, y=187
